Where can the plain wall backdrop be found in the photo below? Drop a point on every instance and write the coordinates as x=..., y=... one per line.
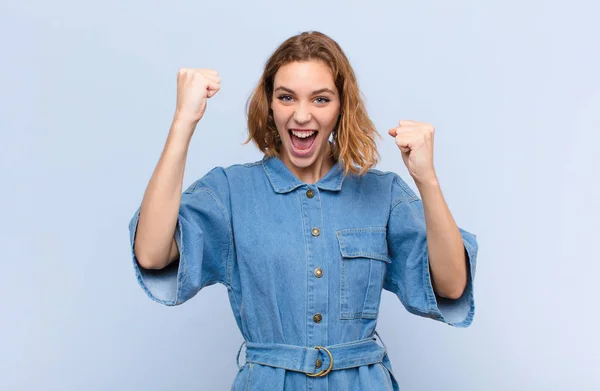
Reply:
x=87, y=95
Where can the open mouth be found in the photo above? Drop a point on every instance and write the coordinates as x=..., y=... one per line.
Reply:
x=303, y=140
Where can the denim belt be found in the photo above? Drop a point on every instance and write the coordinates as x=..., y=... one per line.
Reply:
x=317, y=361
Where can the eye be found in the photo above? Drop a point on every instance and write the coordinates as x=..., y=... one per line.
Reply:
x=284, y=98
x=323, y=100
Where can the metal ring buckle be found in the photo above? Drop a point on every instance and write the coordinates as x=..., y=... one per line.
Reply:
x=323, y=372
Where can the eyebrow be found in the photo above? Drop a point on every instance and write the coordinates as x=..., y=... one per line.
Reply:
x=314, y=92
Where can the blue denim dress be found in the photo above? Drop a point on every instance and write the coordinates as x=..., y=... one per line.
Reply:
x=304, y=266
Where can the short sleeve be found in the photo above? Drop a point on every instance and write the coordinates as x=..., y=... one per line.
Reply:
x=204, y=240
x=408, y=275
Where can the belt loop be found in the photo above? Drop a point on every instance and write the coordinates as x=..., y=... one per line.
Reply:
x=237, y=359
x=383, y=343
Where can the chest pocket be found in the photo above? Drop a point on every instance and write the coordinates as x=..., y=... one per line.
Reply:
x=364, y=255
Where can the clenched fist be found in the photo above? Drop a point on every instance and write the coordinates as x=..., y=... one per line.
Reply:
x=194, y=87
x=415, y=141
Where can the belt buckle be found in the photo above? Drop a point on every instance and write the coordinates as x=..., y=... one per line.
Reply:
x=323, y=372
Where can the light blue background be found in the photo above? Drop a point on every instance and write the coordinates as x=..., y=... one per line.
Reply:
x=87, y=93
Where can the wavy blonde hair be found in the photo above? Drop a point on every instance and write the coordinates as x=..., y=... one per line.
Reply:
x=353, y=138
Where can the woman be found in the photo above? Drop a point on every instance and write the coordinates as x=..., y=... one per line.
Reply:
x=306, y=238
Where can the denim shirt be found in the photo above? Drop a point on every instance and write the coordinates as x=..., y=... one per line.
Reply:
x=305, y=264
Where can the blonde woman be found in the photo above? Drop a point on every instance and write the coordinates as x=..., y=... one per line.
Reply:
x=306, y=238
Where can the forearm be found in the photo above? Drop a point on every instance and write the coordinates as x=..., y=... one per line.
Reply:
x=154, y=246
x=447, y=260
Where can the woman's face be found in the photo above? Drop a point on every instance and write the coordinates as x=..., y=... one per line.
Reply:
x=306, y=107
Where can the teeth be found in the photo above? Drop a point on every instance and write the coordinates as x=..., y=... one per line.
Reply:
x=303, y=134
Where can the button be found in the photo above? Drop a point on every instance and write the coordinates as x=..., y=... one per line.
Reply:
x=310, y=193
x=319, y=272
x=317, y=318
x=316, y=232
x=319, y=363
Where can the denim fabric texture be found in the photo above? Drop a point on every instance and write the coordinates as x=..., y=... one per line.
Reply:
x=304, y=266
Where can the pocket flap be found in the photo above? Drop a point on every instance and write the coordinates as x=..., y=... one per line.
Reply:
x=364, y=243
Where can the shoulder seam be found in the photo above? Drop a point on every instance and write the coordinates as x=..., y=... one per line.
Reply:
x=378, y=172
x=249, y=164
x=407, y=191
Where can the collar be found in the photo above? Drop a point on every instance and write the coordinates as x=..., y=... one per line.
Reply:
x=284, y=181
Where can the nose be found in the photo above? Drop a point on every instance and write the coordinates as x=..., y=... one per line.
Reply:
x=302, y=115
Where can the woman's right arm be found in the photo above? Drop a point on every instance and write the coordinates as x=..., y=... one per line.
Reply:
x=155, y=246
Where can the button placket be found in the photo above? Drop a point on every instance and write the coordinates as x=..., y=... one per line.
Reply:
x=317, y=294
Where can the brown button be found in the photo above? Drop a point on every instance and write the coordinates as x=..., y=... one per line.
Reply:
x=310, y=193
x=316, y=232
x=319, y=272
x=317, y=317
x=319, y=363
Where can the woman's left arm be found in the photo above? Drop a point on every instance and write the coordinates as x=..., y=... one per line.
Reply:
x=447, y=253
